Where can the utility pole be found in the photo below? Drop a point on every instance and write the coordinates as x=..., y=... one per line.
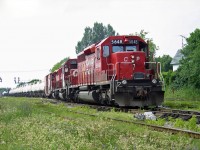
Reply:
x=16, y=80
x=182, y=40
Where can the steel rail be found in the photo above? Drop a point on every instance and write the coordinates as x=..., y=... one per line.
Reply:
x=155, y=127
x=158, y=112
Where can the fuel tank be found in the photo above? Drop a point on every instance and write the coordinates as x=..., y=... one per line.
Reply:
x=88, y=96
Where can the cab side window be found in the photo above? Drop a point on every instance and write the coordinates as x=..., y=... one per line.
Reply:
x=106, y=51
x=98, y=53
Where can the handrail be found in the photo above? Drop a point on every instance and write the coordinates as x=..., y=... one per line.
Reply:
x=158, y=72
x=110, y=69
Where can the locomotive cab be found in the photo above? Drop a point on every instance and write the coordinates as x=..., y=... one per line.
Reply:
x=134, y=81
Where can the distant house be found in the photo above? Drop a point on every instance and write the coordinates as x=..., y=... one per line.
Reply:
x=175, y=61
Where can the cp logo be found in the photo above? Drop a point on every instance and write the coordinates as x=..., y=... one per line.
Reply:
x=125, y=59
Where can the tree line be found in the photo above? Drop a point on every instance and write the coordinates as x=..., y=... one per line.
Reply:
x=188, y=74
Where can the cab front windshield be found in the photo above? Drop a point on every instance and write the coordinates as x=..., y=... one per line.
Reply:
x=123, y=48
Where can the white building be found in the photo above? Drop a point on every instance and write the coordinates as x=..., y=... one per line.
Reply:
x=175, y=61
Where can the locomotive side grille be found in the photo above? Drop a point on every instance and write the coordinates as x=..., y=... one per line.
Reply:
x=138, y=75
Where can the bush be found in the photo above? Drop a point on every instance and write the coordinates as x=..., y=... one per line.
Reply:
x=184, y=93
x=169, y=77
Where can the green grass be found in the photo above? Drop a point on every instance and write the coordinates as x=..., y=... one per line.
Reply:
x=30, y=124
x=185, y=93
x=185, y=98
x=177, y=123
x=182, y=104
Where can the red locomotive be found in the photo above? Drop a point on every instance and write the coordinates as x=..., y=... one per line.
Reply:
x=115, y=71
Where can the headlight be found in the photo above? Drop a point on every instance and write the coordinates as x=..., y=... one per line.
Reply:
x=137, y=58
x=154, y=81
x=124, y=82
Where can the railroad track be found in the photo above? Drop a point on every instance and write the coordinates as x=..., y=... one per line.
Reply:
x=159, y=112
x=192, y=134
x=154, y=127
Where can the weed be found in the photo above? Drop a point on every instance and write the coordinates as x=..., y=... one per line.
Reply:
x=184, y=93
x=159, y=121
x=179, y=104
x=25, y=109
x=179, y=123
x=192, y=124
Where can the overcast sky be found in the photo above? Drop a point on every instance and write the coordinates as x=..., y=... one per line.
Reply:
x=36, y=34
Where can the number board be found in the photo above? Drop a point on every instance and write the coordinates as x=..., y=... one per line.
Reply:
x=133, y=41
x=116, y=42
x=121, y=42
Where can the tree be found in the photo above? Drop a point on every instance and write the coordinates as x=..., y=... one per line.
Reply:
x=152, y=46
x=165, y=61
x=93, y=35
x=86, y=40
x=109, y=31
x=98, y=32
x=188, y=73
x=34, y=81
x=58, y=65
x=4, y=90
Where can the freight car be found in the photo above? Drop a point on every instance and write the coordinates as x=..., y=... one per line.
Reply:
x=35, y=89
x=115, y=71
